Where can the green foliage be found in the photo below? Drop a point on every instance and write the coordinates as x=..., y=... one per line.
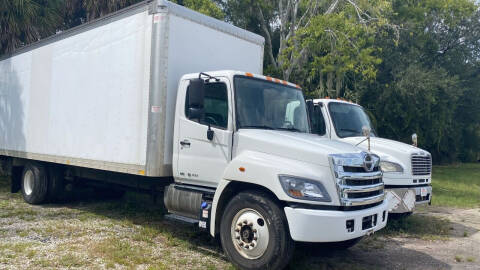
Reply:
x=419, y=100
x=428, y=81
x=207, y=7
x=96, y=8
x=26, y=21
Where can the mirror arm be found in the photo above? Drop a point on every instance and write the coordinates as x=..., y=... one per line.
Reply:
x=361, y=141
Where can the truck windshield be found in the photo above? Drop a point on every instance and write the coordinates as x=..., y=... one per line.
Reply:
x=348, y=119
x=266, y=105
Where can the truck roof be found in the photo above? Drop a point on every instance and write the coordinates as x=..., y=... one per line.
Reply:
x=232, y=73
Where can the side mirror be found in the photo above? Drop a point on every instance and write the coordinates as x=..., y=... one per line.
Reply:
x=415, y=139
x=366, y=131
x=196, y=97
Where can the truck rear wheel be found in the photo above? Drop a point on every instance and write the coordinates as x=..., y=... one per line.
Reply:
x=254, y=232
x=34, y=183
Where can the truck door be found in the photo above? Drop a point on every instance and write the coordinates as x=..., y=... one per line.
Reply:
x=201, y=161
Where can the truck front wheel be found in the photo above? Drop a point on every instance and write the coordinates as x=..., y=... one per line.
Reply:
x=254, y=232
x=34, y=183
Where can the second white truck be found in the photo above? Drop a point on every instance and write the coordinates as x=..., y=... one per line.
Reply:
x=407, y=169
x=148, y=98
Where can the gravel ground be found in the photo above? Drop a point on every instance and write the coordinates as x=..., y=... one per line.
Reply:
x=91, y=232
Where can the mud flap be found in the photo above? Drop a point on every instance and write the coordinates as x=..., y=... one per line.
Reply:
x=15, y=184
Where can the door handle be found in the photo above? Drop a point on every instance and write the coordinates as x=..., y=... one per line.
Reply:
x=185, y=143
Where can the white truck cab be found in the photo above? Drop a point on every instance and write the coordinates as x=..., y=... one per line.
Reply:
x=406, y=168
x=247, y=138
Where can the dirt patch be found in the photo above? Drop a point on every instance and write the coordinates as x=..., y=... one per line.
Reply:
x=95, y=233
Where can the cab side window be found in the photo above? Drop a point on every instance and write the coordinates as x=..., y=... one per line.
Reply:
x=318, y=122
x=215, y=105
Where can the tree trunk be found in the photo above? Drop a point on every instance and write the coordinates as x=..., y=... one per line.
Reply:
x=339, y=82
x=321, y=88
x=330, y=83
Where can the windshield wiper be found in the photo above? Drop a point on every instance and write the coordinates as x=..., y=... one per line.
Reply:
x=349, y=130
x=258, y=127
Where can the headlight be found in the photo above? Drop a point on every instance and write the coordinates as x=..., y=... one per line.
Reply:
x=304, y=189
x=390, y=166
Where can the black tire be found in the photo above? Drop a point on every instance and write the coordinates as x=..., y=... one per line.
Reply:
x=344, y=244
x=34, y=183
x=280, y=246
x=56, y=185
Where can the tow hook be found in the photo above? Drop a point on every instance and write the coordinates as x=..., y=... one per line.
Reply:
x=370, y=232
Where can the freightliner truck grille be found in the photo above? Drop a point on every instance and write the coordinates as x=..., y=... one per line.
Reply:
x=421, y=164
x=358, y=183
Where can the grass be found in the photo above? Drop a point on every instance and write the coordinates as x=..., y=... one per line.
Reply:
x=456, y=185
x=418, y=226
x=121, y=252
x=95, y=233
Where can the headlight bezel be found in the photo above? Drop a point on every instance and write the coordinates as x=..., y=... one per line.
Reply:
x=285, y=184
x=394, y=167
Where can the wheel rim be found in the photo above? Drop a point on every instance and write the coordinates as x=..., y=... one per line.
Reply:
x=28, y=182
x=249, y=232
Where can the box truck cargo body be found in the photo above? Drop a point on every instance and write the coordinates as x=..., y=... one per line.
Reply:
x=103, y=95
x=165, y=99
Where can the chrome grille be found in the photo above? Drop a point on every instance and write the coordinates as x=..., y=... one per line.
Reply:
x=360, y=188
x=355, y=184
x=421, y=164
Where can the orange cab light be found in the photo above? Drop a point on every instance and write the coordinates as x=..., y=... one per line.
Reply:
x=327, y=97
x=249, y=74
x=269, y=78
x=277, y=80
x=242, y=169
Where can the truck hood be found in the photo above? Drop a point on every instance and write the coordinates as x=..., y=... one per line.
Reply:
x=293, y=145
x=386, y=149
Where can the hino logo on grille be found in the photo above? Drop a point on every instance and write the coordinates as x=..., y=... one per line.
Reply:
x=368, y=162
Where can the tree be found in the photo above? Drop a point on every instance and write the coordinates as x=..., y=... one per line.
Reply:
x=96, y=8
x=26, y=21
x=207, y=7
x=311, y=39
x=428, y=81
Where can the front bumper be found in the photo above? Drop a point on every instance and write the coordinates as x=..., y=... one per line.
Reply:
x=310, y=225
x=403, y=200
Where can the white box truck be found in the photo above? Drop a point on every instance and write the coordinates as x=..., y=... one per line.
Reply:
x=147, y=98
x=407, y=169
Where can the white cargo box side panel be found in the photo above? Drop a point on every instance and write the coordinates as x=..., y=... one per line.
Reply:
x=82, y=100
x=202, y=44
